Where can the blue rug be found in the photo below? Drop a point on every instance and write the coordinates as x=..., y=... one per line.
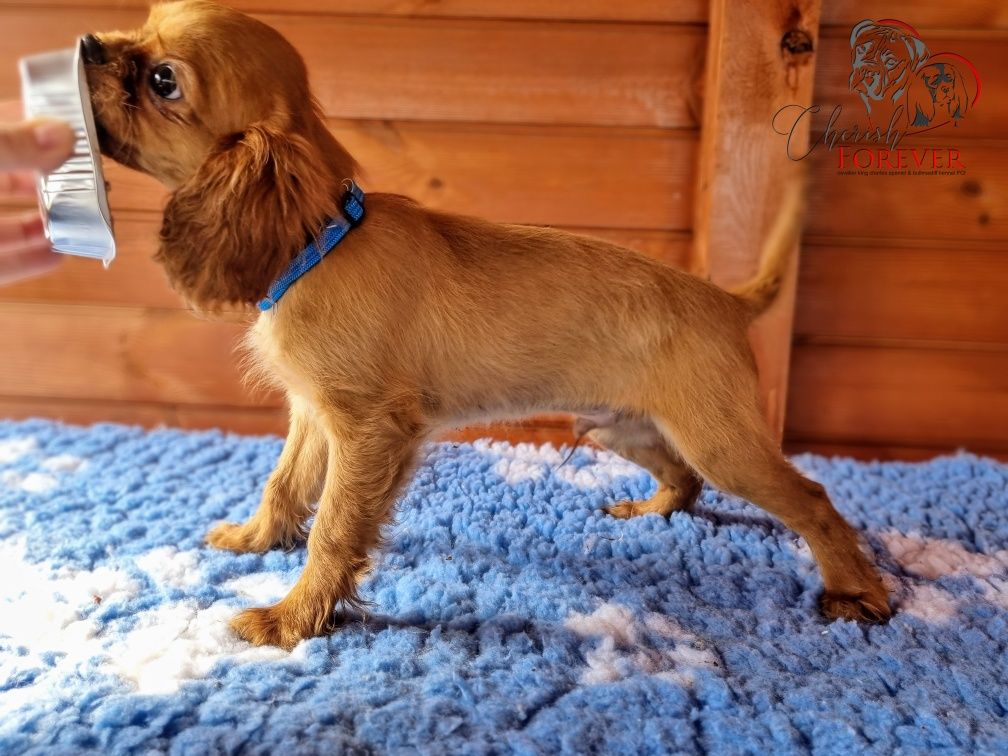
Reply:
x=510, y=615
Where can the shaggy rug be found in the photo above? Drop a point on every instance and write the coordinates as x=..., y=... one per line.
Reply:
x=510, y=615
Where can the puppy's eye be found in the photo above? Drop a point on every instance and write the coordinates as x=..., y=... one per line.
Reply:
x=162, y=81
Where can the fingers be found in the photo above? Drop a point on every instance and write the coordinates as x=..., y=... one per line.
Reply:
x=21, y=231
x=24, y=250
x=17, y=184
x=39, y=144
x=11, y=110
x=26, y=261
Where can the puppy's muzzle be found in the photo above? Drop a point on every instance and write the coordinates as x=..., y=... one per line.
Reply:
x=94, y=50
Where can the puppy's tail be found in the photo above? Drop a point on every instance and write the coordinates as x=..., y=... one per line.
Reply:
x=760, y=292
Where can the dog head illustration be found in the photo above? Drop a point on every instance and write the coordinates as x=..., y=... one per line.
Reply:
x=884, y=58
x=937, y=92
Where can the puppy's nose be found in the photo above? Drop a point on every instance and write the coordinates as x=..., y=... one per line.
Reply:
x=94, y=50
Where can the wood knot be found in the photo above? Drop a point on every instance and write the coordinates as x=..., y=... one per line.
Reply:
x=797, y=42
x=971, y=188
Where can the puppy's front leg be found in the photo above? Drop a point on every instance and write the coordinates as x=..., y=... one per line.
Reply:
x=369, y=462
x=292, y=488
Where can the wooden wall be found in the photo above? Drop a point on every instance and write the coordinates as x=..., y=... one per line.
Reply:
x=543, y=111
x=901, y=324
x=530, y=112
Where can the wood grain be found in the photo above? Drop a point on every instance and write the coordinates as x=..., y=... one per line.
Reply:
x=955, y=209
x=246, y=420
x=965, y=14
x=562, y=176
x=939, y=398
x=134, y=279
x=881, y=452
x=680, y=11
x=911, y=293
x=742, y=164
x=454, y=70
x=122, y=354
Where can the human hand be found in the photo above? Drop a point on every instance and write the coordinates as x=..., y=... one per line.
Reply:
x=26, y=146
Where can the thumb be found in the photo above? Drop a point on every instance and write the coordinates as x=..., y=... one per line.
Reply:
x=39, y=144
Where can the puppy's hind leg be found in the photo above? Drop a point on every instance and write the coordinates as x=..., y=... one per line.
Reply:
x=638, y=440
x=292, y=488
x=723, y=436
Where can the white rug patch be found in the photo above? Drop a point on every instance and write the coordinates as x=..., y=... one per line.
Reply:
x=33, y=482
x=933, y=558
x=173, y=644
x=12, y=449
x=623, y=651
x=46, y=613
x=66, y=463
x=262, y=588
x=169, y=566
x=523, y=462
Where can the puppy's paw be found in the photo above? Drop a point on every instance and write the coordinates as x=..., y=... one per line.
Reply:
x=269, y=626
x=868, y=606
x=625, y=510
x=252, y=538
x=665, y=501
x=239, y=538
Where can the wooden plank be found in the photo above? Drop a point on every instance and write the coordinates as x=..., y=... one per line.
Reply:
x=247, y=420
x=886, y=292
x=955, y=209
x=986, y=50
x=881, y=453
x=902, y=397
x=742, y=165
x=134, y=279
x=77, y=412
x=965, y=14
x=515, y=72
x=244, y=420
x=562, y=176
x=671, y=11
x=455, y=70
x=121, y=353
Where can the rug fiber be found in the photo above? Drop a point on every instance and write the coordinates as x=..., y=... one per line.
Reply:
x=509, y=614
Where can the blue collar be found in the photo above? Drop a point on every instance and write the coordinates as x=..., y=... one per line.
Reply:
x=353, y=210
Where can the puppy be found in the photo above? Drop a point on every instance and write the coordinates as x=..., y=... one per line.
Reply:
x=421, y=320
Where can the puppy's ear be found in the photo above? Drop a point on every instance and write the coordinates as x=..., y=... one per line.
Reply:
x=960, y=98
x=233, y=227
x=919, y=100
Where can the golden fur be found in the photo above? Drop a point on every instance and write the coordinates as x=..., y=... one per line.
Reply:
x=421, y=320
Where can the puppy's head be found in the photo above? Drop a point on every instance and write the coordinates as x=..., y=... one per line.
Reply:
x=216, y=105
